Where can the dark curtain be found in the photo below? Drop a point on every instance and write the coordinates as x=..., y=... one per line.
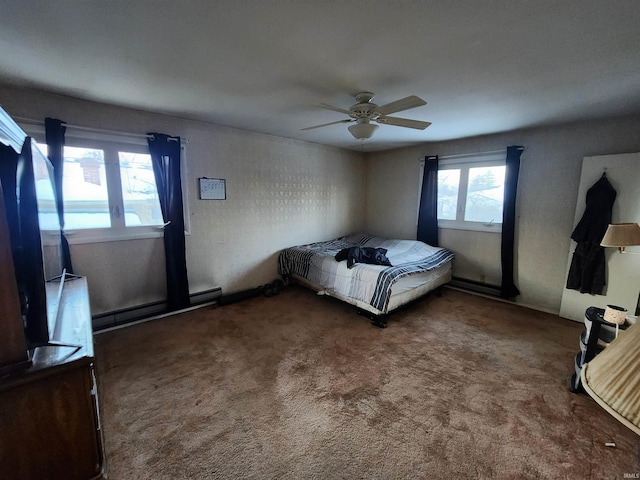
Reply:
x=508, y=288
x=165, y=157
x=428, y=213
x=8, y=168
x=54, y=132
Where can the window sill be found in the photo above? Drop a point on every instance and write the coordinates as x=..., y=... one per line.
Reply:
x=471, y=226
x=76, y=237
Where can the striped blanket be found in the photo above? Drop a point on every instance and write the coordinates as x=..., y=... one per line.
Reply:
x=370, y=284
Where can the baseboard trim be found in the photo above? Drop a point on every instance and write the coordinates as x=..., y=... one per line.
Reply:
x=500, y=299
x=141, y=313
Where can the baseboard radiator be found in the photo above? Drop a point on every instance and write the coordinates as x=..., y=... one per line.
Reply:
x=140, y=312
x=475, y=286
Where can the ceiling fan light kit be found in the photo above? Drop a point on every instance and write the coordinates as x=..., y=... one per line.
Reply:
x=363, y=129
x=364, y=112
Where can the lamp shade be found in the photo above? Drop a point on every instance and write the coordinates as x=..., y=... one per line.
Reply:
x=621, y=235
x=363, y=130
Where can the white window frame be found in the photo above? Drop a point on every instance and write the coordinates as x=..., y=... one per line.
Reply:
x=108, y=141
x=464, y=163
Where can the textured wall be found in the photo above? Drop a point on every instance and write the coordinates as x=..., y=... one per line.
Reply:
x=477, y=254
x=280, y=192
x=283, y=192
x=548, y=186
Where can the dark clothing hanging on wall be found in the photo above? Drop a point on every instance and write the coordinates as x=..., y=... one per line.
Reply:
x=587, y=270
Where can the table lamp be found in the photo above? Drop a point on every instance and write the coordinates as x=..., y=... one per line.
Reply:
x=621, y=235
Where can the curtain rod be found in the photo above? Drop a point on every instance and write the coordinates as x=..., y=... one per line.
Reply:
x=465, y=155
x=474, y=154
x=95, y=130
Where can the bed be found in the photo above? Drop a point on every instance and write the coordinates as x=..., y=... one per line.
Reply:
x=376, y=290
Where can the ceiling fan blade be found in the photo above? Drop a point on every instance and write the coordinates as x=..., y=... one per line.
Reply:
x=403, y=122
x=327, y=124
x=403, y=104
x=335, y=109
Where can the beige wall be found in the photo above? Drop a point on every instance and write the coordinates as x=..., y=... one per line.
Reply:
x=546, y=202
x=280, y=192
x=283, y=192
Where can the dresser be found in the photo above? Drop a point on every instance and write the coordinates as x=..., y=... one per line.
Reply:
x=49, y=416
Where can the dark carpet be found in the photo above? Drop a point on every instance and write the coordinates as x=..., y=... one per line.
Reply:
x=298, y=386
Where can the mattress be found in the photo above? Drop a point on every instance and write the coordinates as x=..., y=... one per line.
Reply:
x=416, y=269
x=404, y=291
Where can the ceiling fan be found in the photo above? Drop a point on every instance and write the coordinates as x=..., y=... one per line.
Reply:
x=364, y=112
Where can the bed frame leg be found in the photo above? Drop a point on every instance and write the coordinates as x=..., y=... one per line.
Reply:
x=379, y=321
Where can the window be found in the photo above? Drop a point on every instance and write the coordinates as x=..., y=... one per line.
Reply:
x=109, y=189
x=471, y=193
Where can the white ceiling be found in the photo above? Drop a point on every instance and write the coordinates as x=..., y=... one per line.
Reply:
x=483, y=66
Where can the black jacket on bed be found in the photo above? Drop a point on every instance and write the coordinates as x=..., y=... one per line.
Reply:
x=353, y=255
x=587, y=270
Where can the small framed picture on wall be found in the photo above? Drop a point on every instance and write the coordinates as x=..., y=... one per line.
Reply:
x=212, y=188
